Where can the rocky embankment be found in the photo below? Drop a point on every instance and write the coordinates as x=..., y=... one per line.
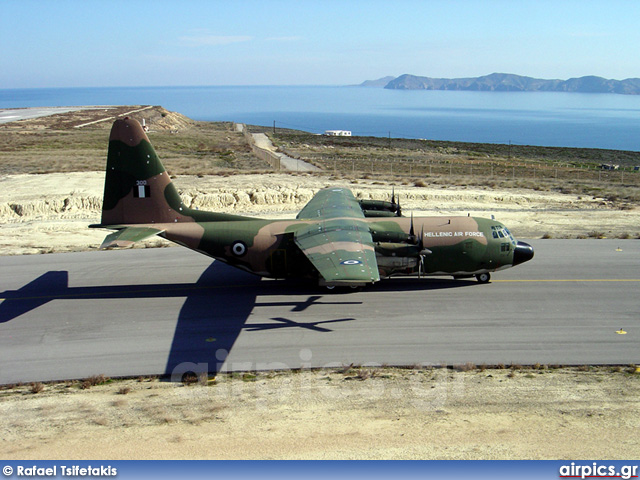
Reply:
x=49, y=213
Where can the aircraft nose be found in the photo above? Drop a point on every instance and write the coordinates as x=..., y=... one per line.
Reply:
x=522, y=253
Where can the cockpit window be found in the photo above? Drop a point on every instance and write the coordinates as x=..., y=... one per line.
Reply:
x=499, y=231
x=509, y=234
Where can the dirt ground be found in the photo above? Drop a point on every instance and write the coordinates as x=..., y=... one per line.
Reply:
x=532, y=413
x=334, y=414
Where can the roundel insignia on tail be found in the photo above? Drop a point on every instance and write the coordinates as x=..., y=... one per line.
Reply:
x=239, y=248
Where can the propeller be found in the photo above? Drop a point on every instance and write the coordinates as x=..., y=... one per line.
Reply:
x=420, y=254
x=412, y=232
x=396, y=205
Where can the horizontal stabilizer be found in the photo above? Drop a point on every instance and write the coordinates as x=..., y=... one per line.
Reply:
x=128, y=236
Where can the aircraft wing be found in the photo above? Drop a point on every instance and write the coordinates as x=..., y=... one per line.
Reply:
x=340, y=245
x=332, y=203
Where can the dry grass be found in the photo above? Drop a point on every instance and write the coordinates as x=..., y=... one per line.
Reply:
x=189, y=378
x=94, y=381
x=465, y=367
x=286, y=405
x=37, y=387
x=50, y=144
x=215, y=148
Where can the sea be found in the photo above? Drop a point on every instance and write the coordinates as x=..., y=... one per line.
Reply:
x=585, y=120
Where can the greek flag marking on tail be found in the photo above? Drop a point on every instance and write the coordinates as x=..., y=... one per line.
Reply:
x=142, y=191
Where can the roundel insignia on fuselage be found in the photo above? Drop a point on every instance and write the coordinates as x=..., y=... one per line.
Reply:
x=238, y=248
x=350, y=262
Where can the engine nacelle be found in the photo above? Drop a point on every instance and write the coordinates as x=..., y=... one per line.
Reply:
x=379, y=206
x=378, y=213
x=388, y=249
x=393, y=237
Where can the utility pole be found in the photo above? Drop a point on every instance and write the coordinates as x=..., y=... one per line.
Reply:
x=389, y=140
x=274, y=127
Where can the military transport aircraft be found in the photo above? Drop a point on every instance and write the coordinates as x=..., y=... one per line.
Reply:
x=335, y=240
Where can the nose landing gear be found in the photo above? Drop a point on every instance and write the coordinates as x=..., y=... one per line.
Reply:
x=483, y=277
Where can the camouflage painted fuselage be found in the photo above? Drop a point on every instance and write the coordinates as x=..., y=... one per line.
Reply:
x=458, y=245
x=334, y=238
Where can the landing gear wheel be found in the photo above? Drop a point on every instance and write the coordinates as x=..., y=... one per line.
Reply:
x=341, y=289
x=483, y=277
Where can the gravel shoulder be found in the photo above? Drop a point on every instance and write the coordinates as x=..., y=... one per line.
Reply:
x=333, y=414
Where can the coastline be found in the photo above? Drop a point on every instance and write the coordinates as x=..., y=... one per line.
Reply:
x=580, y=120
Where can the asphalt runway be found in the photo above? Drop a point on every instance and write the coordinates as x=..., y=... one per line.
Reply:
x=167, y=311
x=12, y=115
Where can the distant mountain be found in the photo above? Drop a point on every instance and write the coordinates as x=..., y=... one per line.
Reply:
x=379, y=83
x=506, y=82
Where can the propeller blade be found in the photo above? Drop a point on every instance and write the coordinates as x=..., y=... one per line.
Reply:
x=411, y=230
x=420, y=252
x=398, y=208
x=393, y=195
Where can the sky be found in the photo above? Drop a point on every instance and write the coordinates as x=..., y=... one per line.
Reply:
x=90, y=43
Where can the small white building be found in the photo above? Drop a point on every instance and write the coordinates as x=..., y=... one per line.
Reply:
x=338, y=133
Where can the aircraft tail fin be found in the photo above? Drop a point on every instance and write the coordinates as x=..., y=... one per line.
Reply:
x=137, y=189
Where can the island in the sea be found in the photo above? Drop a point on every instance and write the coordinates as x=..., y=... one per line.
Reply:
x=507, y=82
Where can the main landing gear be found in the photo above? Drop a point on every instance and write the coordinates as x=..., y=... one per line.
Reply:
x=341, y=289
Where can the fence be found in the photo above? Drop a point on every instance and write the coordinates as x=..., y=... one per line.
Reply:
x=265, y=155
x=417, y=168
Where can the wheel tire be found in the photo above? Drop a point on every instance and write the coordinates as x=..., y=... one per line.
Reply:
x=483, y=277
x=334, y=290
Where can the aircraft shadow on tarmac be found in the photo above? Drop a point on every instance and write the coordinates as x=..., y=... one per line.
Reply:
x=215, y=310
